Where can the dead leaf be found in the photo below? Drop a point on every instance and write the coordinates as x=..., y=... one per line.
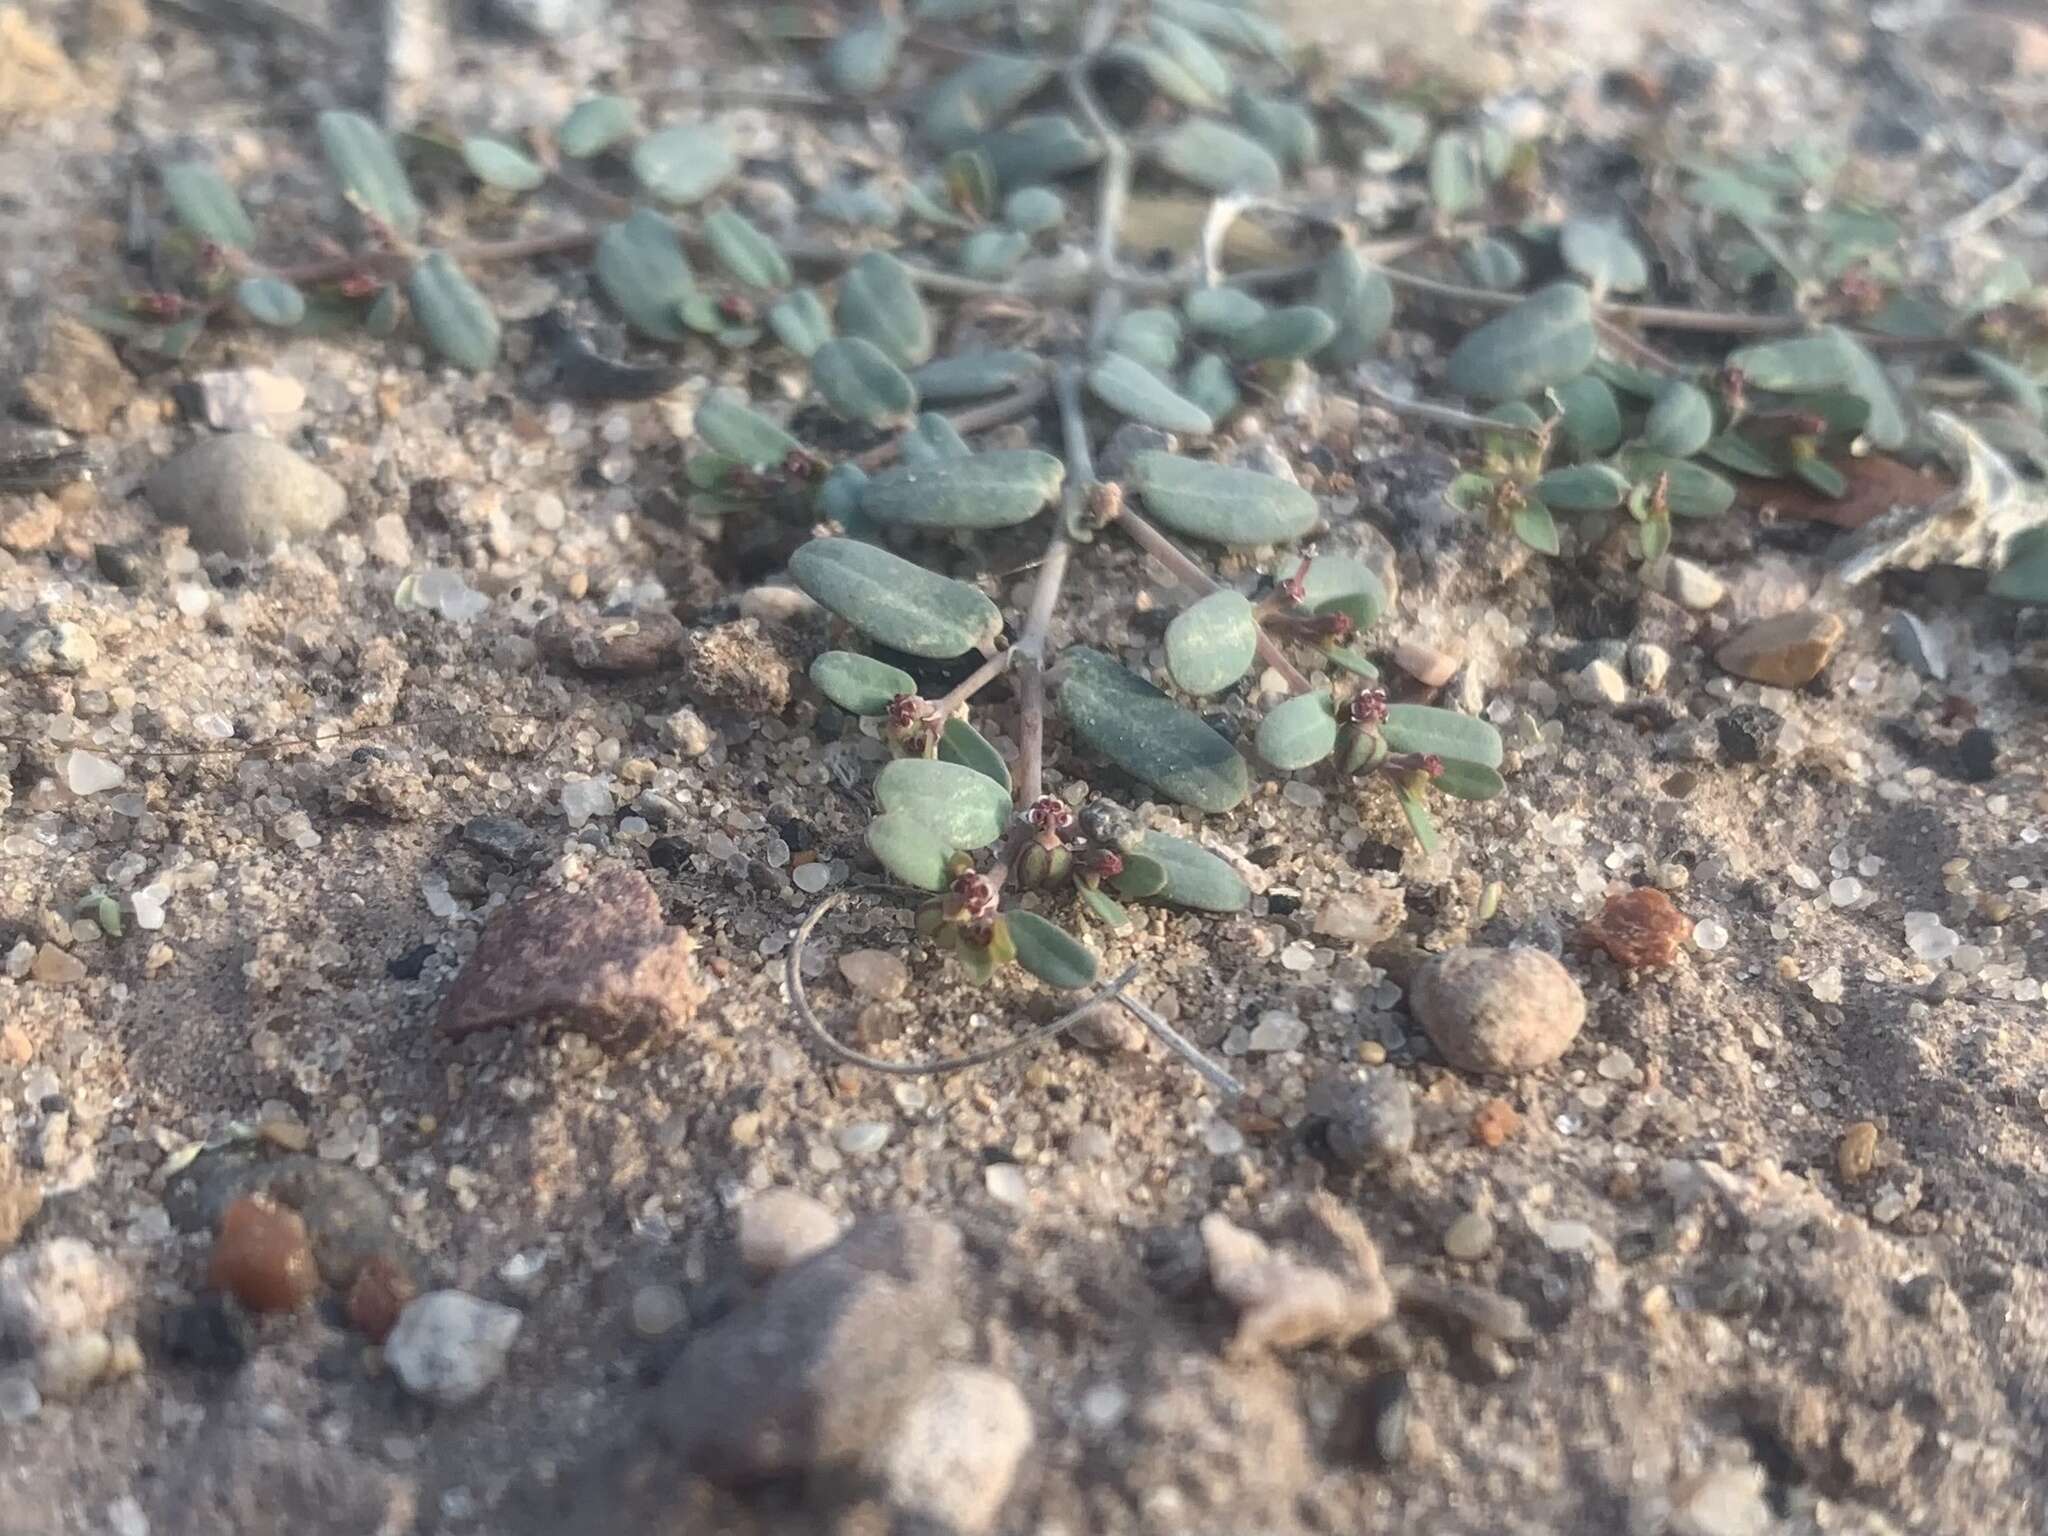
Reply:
x=1877, y=483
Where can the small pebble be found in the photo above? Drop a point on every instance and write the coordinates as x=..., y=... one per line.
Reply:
x=1498, y=1010
x=782, y=1227
x=243, y=496
x=657, y=1310
x=1648, y=666
x=1639, y=928
x=262, y=1256
x=1470, y=1237
x=1006, y=1184
x=1599, y=682
x=1692, y=585
x=1787, y=651
x=1856, y=1156
x=449, y=1346
x=875, y=973
x=1976, y=756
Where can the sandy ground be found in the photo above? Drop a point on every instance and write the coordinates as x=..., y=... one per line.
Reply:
x=1725, y=1329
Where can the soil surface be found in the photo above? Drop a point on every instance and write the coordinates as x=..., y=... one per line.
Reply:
x=338, y=763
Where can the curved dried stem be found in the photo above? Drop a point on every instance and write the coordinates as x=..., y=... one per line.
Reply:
x=1030, y=1040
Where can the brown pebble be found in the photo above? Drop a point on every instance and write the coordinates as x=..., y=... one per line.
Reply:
x=262, y=1256
x=1786, y=652
x=380, y=1293
x=1640, y=929
x=1856, y=1157
x=1495, y=1123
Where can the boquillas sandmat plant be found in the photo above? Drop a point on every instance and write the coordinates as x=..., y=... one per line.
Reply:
x=1578, y=419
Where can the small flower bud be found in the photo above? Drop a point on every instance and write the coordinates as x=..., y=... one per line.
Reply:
x=1368, y=706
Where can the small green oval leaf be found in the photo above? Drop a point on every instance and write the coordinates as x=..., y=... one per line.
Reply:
x=457, y=318
x=747, y=255
x=1050, y=953
x=1795, y=365
x=1034, y=210
x=1211, y=645
x=1222, y=311
x=975, y=375
x=859, y=684
x=1601, y=252
x=641, y=267
x=1681, y=420
x=1340, y=584
x=1691, y=490
x=1583, y=488
x=2023, y=578
x=497, y=164
x=270, y=301
x=997, y=489
x=1298, y=733
x=1448, y=734
x=1282, y=335
x=207, y=205
x=1419, y=821
x=1219, y=503
x=363, y=161
x=1592, y=416
x=1493, y=263
x=1211, y=385
x=1133, y=390
x=1731, y=450
x=1142, y=876
x=963, y=808
x=800, y=321
x=910, y=851
x=594, y=126
x=979, y=95
x=1147, y=735
x=1535, y=527
x=728, y=425
x=1360, y=299
x=1543, y=341
x=1457, y=181
x=1217, y=157
x=888, y=599
x=1037, y=149
x=1149, y=336
x=879, y=303
x=1469, y=781
x=860, y=384
x=1864, y=376
x=1101, y=906
x=862, y=57
x=684, y=164
x=933, y=439
x=990, y=254
x=961, y=743
x=1286, y=129
x=1195, y=877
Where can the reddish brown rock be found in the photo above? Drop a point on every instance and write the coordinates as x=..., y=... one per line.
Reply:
x=262, y=1256
x=380, y=1293
x=1640, y=929
x=597, y=960
x=1495, y=1122
x=1785, y=652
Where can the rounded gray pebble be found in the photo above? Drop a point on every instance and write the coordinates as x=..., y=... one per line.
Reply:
x=1498, y=1010
x=243, y=496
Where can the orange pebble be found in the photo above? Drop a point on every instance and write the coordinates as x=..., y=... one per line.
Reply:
x=261, y=1256
x=1494, y=1122
x=1639, y=928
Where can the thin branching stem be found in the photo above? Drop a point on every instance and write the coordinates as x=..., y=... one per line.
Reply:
x=1442, y=415
x=832, y=1046
x=1029, y=650
x=1021, y=401
x=1186, y=571
x=991, y=669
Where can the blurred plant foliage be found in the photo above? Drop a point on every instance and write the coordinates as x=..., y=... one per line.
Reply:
x=1108, y=208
